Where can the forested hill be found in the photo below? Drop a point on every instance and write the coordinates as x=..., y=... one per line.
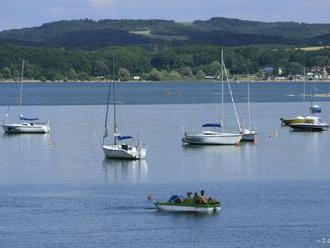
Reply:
x=80, y=34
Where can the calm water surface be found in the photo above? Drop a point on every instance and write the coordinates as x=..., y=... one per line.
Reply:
x=58, y=191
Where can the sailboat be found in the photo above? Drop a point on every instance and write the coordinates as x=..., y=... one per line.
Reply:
x=25, y=125
x=119, y=148
x=213, y=136
x=249, y=135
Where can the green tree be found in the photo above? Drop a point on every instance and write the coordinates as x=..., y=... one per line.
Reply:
x=186, y=72
x=72, y=74
x=200, y=74
x=100, y=68
x=124, y=74
x=6, y=72
x=214, y=68
x=154, y=75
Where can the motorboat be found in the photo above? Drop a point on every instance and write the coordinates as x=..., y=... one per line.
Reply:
x=296, y=119
x=172, y=205
x=311, y=123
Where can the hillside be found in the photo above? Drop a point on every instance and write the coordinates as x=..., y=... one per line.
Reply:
x=80, y=34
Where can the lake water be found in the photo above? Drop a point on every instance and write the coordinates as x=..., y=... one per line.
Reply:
x=58, y=191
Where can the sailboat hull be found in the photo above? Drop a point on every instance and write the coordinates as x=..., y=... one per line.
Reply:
x=18, y=128
x=124, y=152
x=249, y=136
x=213, y=139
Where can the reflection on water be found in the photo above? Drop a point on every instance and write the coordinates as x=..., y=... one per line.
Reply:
x=117, y=171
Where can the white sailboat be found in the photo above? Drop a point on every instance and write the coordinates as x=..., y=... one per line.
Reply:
x=214, y=137
x=249, y=135
x=25, y=125
x=119, y=149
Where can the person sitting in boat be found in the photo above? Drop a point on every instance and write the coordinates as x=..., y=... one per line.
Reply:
x=203, y=198
x=197, y=198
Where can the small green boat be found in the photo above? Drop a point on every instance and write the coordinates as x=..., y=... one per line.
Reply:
x=188, y=206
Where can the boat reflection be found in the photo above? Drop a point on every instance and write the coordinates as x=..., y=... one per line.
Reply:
x=119, y=171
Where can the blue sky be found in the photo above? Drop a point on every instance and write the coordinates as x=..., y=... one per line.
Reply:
x=27, y=13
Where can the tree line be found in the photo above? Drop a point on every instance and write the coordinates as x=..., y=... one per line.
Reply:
x=151, y=62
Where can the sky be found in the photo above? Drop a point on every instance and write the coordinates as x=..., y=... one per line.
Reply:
x=28, y=13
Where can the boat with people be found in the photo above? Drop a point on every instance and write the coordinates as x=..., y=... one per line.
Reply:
x=311, y=123
x=196, y=204
x=123, y=146
x=25, y=124
x=213, y=133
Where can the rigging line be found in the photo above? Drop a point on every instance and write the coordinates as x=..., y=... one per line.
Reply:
x=114, y=101
x=222, y=92
x=232, y=98
x=107, y=114
x=21, y=89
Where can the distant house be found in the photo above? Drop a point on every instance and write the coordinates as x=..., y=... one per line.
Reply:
x=136, y=78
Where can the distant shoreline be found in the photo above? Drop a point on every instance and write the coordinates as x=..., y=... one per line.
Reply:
x=166, y=81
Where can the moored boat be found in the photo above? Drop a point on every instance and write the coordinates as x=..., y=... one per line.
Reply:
x=216, y=137
x=24, y=124
x=28, y=127
x=208, y=137
x=118, y=149
x=311, y=123
x=248, y=135
x=297, y=119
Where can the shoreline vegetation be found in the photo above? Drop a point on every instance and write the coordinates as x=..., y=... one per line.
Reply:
x=192, y=81
x=163, y=63
x=162, y=50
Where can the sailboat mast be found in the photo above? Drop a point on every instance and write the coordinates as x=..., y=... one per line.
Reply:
x=249, y=105
x=21, y=89
x=222, y=92
x=107, y=115
x=114, y=103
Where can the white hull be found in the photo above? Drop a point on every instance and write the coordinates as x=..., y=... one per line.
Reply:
x=18, y=128
x=171, y=208
x=214, y=138
x=249, y=136
x=120, y=152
